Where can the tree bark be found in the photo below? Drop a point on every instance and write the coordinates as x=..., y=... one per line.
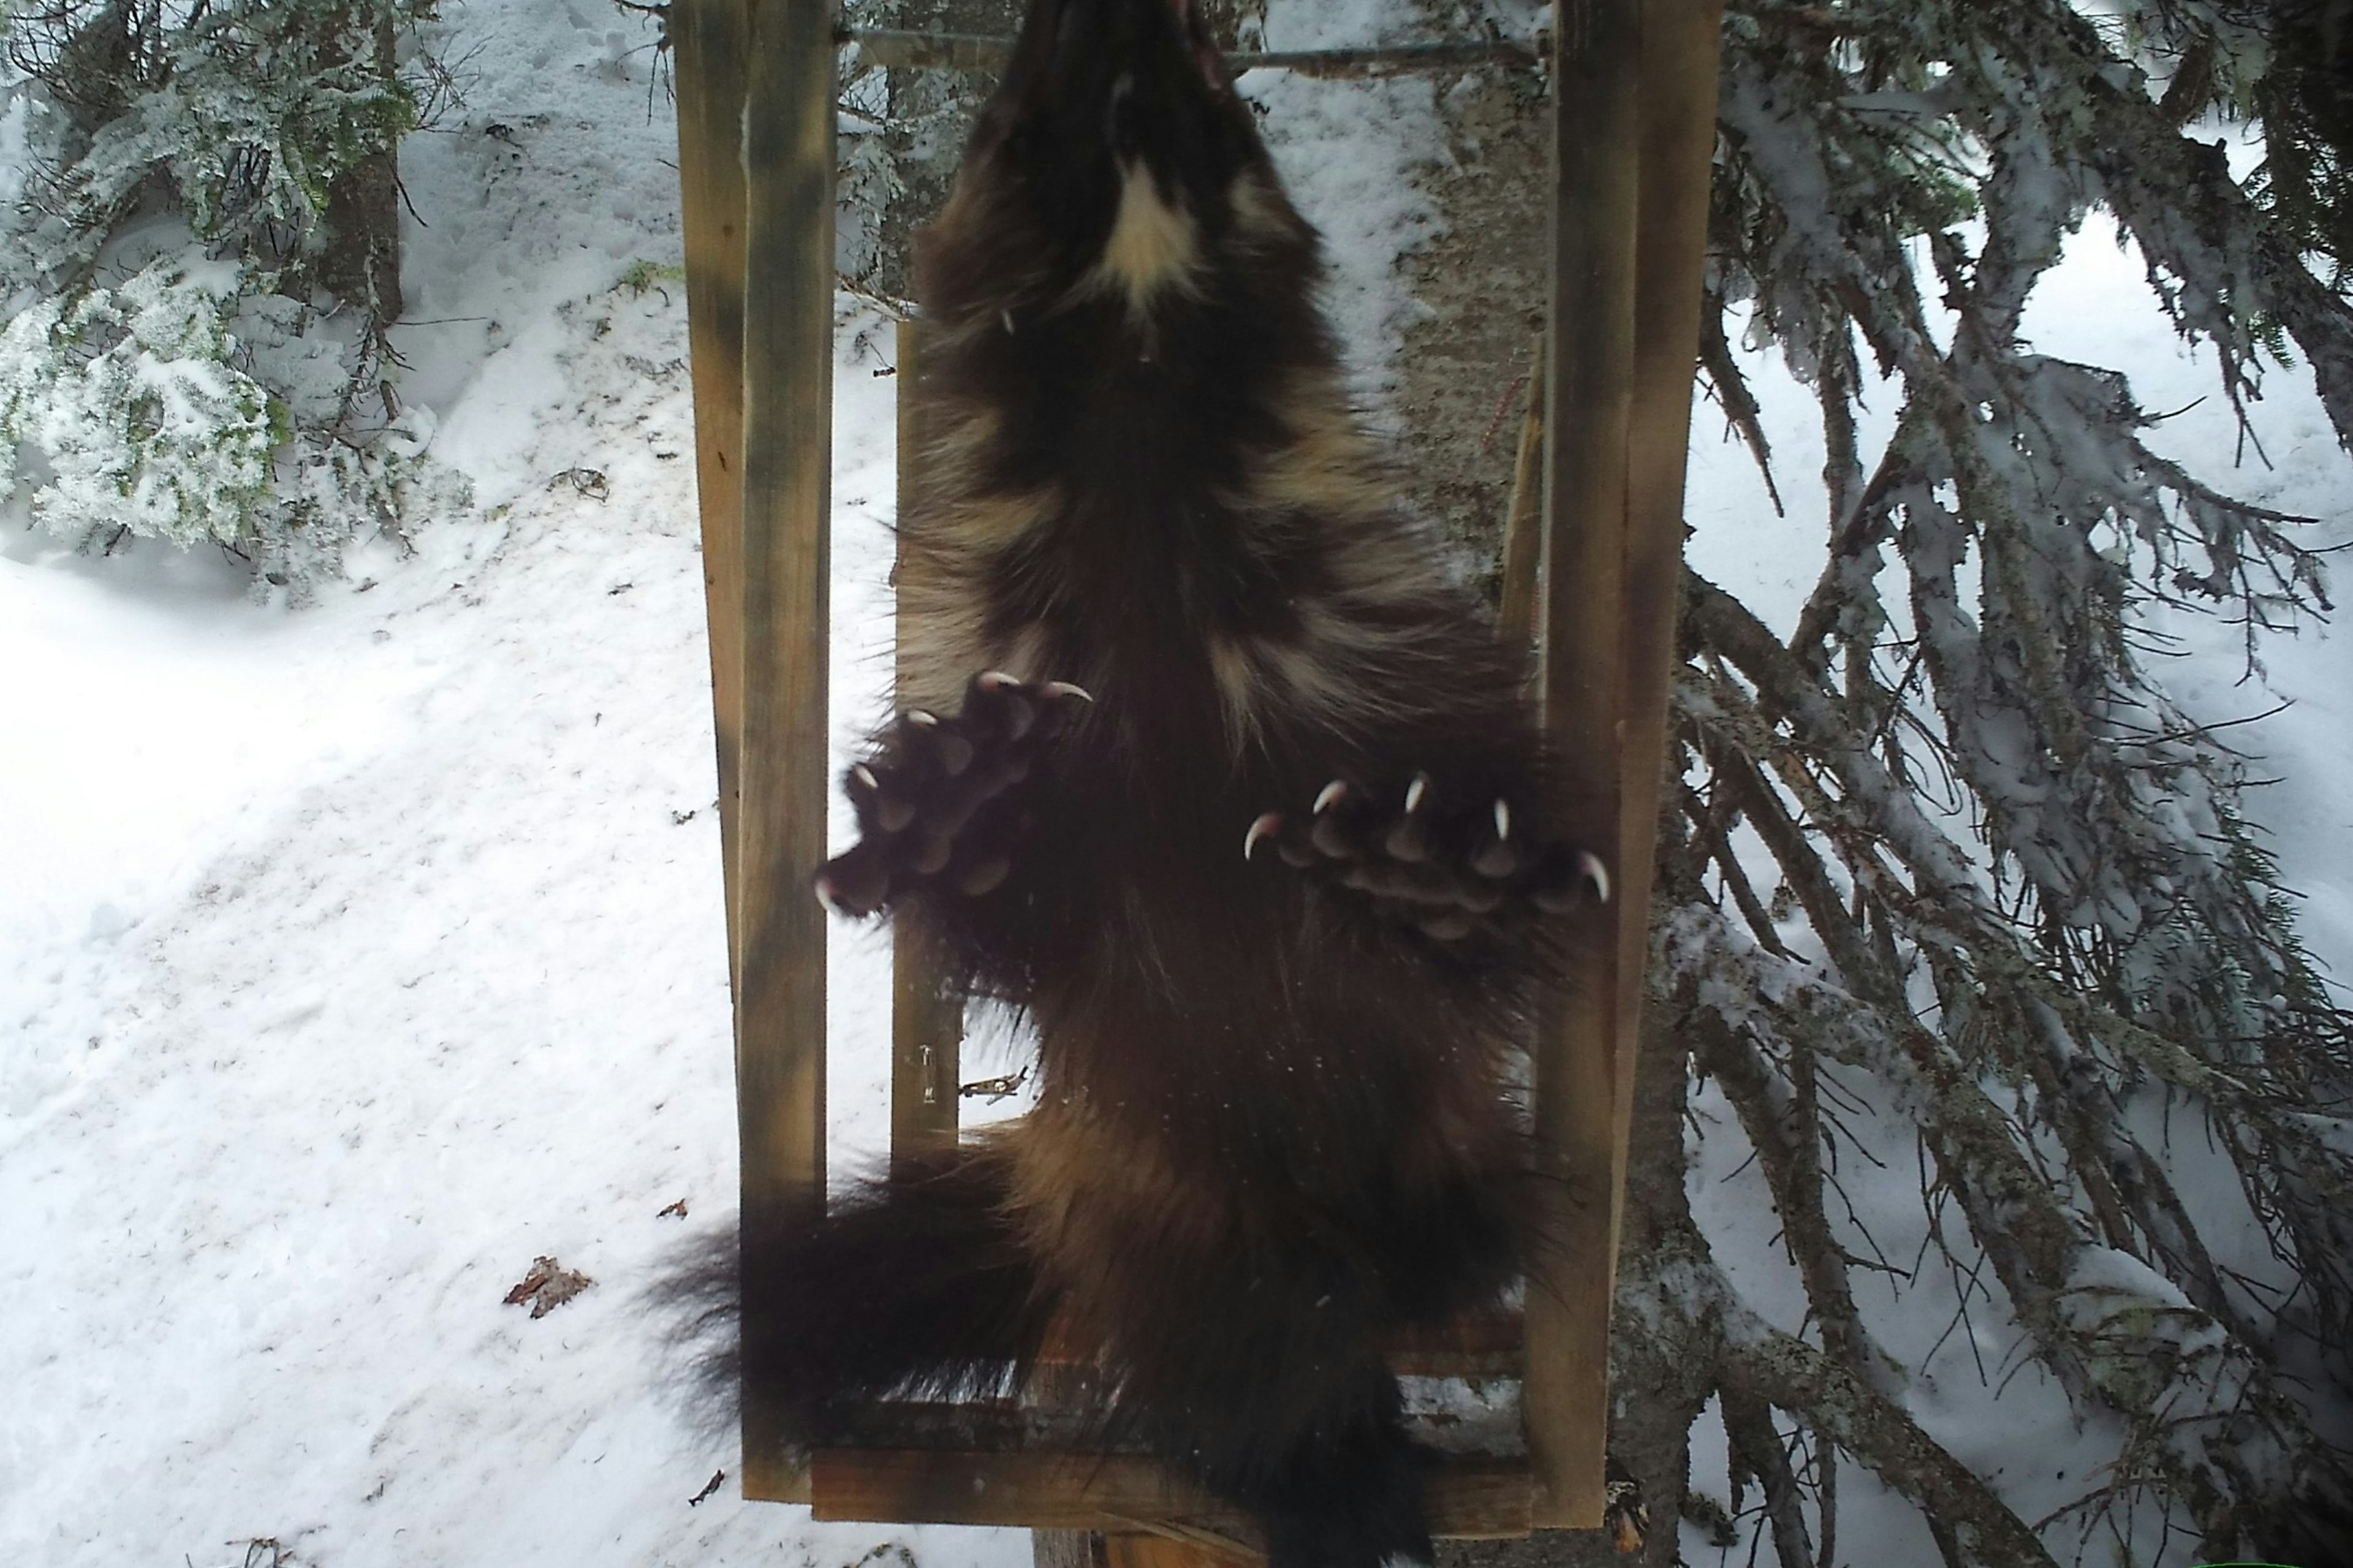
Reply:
x=359, y=259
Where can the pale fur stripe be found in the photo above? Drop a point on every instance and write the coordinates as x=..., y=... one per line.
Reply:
x=1151, y=246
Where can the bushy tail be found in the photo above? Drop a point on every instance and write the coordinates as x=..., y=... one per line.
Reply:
x=914, y=1285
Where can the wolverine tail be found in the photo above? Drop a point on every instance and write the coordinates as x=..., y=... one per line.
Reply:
x=914, y=1285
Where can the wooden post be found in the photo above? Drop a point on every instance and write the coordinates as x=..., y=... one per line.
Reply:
x=927, y=1019
x=1634, y=96
x=708, y=36
x=789, y=168
x=1681, y=54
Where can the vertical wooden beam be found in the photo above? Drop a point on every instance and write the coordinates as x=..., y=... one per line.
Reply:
x=788, y=167
x=927, y=1018
x=707, y=37
x=1681, y=54
x=1589, y=391
x=1634, y=123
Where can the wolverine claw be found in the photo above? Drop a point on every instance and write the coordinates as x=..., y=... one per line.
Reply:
x=1267, y=823
x=1595, y=873
x=1444, y=871
x=935, y=797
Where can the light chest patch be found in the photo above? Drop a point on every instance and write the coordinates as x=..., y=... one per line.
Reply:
x=1153, y=246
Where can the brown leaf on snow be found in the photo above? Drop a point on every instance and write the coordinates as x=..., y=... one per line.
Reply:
x=547, y=1287
x=677, y=1209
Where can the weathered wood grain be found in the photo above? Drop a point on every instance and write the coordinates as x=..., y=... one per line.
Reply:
x=707, y=36
x=789, y=168
x=1634, y=128
x=926, y=1016
x=1682, y=50
x=1589, y=396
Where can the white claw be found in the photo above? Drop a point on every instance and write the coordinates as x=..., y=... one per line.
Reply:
x=1330, y=796
x=1502, y=819
x=1414, y=792
x=917, y=716
x=1007, y=317
x=997, y=680
x=1596, y=873
x=865, y=777
x=824, y=890
x=1064, y=688
x=1265, y=825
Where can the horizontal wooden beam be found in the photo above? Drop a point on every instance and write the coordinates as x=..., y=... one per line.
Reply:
x=1469, y=1498
x=1485, y=1343
x=903, y=49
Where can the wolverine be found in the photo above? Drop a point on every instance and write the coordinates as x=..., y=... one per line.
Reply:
x=1208, y=763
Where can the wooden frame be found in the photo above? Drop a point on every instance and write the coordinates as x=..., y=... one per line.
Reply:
x=1634, y=132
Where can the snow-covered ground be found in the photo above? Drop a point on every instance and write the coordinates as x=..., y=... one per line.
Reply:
x=353, y=958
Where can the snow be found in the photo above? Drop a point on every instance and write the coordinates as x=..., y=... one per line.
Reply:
x=352, y=959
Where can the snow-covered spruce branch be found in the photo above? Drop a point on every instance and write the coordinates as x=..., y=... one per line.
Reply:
x=2221, y=265
x=201, y=275
x=2207, y=1424
x=1682, y=1335
x=1898, y=901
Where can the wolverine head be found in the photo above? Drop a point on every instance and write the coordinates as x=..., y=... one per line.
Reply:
x=1114, y=161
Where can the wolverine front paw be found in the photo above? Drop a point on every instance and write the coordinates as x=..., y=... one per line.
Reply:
x=932, y=798
x=1448, y=867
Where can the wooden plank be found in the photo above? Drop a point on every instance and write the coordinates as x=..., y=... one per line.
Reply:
x=1487, y=1342
x=1469, y=1498
x=1634, y=128
x=1682, y=52
x=707, y=38
x=926, y=1017
x=788, y=165
x=1589, y=397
